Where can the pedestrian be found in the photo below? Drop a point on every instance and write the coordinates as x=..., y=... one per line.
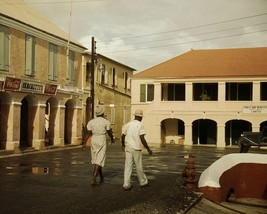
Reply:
x=97, y=129
x=132, y=139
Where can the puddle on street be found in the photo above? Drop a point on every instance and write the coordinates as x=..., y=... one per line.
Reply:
x=24, y=168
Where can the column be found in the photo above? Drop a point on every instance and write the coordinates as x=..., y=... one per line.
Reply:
x=188, y=134
x=221, y=135
x=13, y=127
x=38, y=141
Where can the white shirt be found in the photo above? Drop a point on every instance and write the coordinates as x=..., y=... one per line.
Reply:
x=132, y=132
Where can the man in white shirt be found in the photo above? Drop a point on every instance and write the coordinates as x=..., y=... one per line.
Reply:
x=132, y=139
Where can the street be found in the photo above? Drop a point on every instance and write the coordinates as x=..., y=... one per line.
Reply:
x=58, y=181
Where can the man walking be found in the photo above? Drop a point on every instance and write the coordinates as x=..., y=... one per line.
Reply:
x=132, y=139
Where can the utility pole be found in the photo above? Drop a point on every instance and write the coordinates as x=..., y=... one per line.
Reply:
x=93, y=48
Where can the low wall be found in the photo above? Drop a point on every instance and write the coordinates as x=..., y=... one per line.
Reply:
x=244, y=175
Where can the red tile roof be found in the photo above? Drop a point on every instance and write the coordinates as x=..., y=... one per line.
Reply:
x=240, y=62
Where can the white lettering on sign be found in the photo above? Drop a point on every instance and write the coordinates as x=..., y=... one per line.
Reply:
x=33, y=87
x=255, y=109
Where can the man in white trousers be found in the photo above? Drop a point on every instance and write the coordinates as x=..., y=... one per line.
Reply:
x=132, y=139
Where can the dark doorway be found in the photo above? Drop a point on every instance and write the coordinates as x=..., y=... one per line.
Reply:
x=204, y=132
x=234, y=129
x=24, y=124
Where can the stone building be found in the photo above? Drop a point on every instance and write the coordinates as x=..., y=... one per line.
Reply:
x=112, y=88
x=206, y=97
x=40, y=81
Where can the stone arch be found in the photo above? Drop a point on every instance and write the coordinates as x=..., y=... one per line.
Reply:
x=204, y=131
x=69, y=113
x=172, y=131
x=263, y=124
x=233, y=130
x=5, y=101
x=29, y=105
x=51, y=111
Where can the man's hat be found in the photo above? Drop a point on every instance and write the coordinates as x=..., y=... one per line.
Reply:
x=138, y=113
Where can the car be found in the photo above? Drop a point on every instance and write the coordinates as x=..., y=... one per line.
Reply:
x=248, y=139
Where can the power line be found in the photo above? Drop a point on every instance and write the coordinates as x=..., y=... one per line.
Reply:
x=181, y=37
x=187, y=28
x=202, y=40
x=51, y=2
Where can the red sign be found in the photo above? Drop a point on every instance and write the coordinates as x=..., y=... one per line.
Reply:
x=50, y=89
x=12, y=84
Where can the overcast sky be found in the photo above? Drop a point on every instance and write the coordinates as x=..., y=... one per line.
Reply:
x=144, y=33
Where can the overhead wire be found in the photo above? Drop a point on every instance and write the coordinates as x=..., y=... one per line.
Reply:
x=181, y=37
x=175, y=44
x=186, y=28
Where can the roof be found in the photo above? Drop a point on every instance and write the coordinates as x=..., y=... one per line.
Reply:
x=240, y=62
x=116, y=62
x=24, y=13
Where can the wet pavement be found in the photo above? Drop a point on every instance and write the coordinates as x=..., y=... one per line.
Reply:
x=58, y=181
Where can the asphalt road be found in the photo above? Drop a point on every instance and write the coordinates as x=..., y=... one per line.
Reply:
x=58, y=181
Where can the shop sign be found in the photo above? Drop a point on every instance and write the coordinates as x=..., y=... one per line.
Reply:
x=255, y=109
x=32, y=87
x=12, y=84
x=50, y=89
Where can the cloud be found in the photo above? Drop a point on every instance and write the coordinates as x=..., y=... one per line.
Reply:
x=143, y=33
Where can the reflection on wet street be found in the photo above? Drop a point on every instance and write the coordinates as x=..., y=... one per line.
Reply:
x=76, y=162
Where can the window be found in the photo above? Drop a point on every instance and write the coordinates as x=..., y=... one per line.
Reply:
x=103, y=74
x=30, y=55
x=4, y=48
x=88, y=72
x=52, y=62
x=238, y=91
x=125, y=80
x=146, y=92
x=71, y=74
x=205, y=91
x=106, y=75
x=173, y=91
x=263, y=91
x=114, y=78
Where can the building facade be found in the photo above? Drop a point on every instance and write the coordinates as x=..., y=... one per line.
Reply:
x=109, y=84
x=203, y=97
x=40, y=81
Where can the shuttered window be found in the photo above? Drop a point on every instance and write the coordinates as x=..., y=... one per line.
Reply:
x=4, y=47
x=142, y=93
x=146, y=92
x=30, y=55
x=52, y=62
x=71, y=72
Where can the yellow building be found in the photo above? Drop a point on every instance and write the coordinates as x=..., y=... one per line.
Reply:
x=203, y=96
x=112, y=88
x=40, y=81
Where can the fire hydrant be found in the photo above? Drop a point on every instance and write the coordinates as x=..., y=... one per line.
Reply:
x=189, y=174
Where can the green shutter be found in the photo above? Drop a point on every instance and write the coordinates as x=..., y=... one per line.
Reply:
x=4, y=47
x=29, y=55
x=52, y=64
x=142, y=93
x=150, y=92
x=71, y=74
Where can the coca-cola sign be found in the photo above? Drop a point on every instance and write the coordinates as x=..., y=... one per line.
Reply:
x=50, y=89
x=12, y=84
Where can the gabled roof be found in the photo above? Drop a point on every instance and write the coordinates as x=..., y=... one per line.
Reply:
x=240, y=62
x=22, y=12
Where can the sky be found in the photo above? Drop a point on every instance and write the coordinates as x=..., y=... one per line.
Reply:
x=144, y=33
